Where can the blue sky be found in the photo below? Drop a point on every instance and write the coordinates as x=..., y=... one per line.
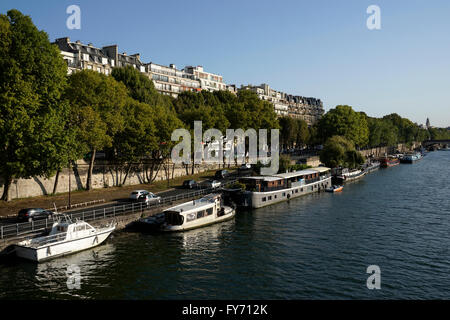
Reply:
x=317, y=48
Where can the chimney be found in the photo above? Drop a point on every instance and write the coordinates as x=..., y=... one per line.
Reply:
x=173, y=66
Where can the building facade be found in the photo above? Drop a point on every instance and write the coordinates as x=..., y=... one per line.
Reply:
x=171, y=81
x=208, y=81
x=308, y=109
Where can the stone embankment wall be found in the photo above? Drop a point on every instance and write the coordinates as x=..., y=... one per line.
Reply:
x=381, y=151
x=104, y=175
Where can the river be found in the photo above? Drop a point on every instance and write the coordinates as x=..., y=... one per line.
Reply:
x=314, y=247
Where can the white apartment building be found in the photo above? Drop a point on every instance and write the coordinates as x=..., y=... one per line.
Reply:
x=308, y=109
x=208, y=81
x=171, y=81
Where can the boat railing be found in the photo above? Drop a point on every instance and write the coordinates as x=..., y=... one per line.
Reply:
x=37, y=242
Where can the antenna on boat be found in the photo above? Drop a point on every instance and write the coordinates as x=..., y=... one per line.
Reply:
x=56, y=209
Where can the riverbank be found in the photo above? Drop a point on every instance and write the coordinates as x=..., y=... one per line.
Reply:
x=107, y=194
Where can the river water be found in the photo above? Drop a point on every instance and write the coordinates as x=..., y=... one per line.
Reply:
x=314, y=247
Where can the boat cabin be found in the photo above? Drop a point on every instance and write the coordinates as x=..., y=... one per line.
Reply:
x=285, y=180
x=208, y=206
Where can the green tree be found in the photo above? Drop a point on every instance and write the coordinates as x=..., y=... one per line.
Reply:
x=344, y=121
x=339, y=151
x=32, y=116
x=303, y=132
x=97, y=103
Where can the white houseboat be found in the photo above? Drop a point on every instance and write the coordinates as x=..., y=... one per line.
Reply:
x=65, y=237
x=266, y=190
x=197, y=213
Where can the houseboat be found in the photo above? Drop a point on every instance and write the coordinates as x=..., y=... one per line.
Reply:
x=372, y=166
x=65, y=237
x=411, y=157
x=261, y=191
x=347, y=175
x=189, y=215
x=387, y=162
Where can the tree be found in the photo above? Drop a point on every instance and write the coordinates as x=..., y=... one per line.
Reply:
x=344, y=121
x=97, y=103
x=339, y=151
x=158, y=120
x=303, y=132
x=32, y=121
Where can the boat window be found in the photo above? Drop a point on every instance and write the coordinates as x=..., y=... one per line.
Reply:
x=200, y=214
x=174, y=218
x=284, y=194
x=191, y=216
x=301, y=190
x=209, y=211
x=264, y=199
x=270, y=197
x=296, y=190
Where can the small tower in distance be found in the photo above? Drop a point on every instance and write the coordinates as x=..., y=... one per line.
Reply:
x=428, y=123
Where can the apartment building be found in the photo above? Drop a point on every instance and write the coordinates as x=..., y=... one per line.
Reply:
x=171, y=81
x=308, y=109
x=208, y=81
x=80, y=56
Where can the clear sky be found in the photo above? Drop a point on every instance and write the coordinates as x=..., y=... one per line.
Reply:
x=316, y=48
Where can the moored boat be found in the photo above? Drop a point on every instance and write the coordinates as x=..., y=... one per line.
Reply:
x=372, y=166
x=189, y=215
x=386, y=162
x=65, y=237
x=261, y=191
x=335, y=188
x=347, y=175
x=411, y=157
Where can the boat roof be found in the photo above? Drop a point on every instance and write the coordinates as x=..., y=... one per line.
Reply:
x=295, y=173
x=195, y=204
x=264, y=178
x=321, y=169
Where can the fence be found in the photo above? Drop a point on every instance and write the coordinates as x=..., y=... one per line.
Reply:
x=76, y=205
x=32, y=227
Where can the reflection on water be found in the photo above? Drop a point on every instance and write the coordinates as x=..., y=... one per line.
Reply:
x=49, y=278
x=313, y=247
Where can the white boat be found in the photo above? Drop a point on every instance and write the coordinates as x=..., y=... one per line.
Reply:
x=197, y=213
x=65, y=237
x=349, y=175
x=261, y=191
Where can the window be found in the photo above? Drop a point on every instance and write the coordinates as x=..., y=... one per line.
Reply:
x=264, y=199
x=200, y=214
x=275, y=196
x=209, y=211
x=190, y=217
x=296, y=190
x=284, y=194
x=270, y=197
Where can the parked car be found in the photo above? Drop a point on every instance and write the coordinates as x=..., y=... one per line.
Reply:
x=150, y=198
x=190, y=184
x=221, y=174
x=136, y=194
x=30, y=214
x=213, y=184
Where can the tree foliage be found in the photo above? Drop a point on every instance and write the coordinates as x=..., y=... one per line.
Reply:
x=339, y=151
x=97, y=103
x=344, y=121
x=32, y=115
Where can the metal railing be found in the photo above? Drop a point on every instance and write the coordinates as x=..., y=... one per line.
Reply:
x=33, y=227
